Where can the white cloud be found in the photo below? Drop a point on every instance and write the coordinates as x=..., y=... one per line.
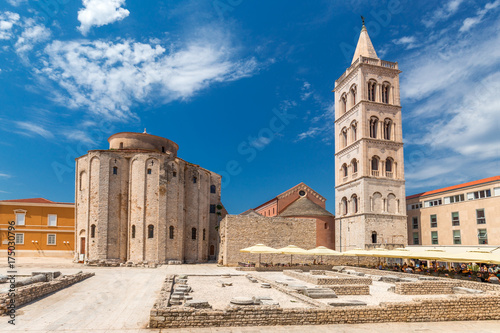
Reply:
x=30, y=129
x=79, y=136
x=410, y=42
x=16, y=3
x=4, y=175
x=442, y=13
x=100, y=12
x=322, y=125
x=32, y=34
x=109, y=77
x=306, y=91
x=7, y=22
x=472, y=21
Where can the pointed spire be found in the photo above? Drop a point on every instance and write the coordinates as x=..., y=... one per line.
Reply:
x=365, y=47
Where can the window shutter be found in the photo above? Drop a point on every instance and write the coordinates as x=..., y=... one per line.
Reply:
x=446, y=200
x=470, y=196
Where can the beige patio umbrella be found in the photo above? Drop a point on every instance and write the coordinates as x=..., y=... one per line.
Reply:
x=323, y=251
x=260, y=249
x=397, y=253
x=433, y=254
x=477, y=256
x=291, y=250
x=356, y=253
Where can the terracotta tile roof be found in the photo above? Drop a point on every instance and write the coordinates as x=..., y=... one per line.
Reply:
x=37, y=200
x=455, y=187
x=304, y=207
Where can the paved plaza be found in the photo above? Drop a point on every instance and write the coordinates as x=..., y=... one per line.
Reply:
x=119, y=300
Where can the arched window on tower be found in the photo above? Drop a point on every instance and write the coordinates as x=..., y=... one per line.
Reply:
x=372, y=84
x=344, y=137
x=374, y=237
x=345, y=172
x=115, y=170
x=204, y=234
x=389, y=168
x=354, y=129
x=344, y=204
x=373, y=127
x=354, y=164
x=171, y=232
x=387, y=128
x=151, y=231
x=354, y=200
x=213, y=189
x=343, y=103
x=193, y=233
x=353, y=95
x=92, y=231
x=374, y=165
x=133, y=231
x=386, y=88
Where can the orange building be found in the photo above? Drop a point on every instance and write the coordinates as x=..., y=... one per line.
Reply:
x=301, y=201
x=42, y=227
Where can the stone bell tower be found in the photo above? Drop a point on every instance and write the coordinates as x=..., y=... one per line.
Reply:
x=369, y=161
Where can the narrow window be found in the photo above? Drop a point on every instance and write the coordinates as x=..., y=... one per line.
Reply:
x=20, y=218
x=19, y=238
x=355, y=204
x=353, y=94
x=480, y=217
x=174, y=174
x=457, y=240
x=455, y=220
x=115, y=170
x=354, y=166
x=415, y=222
x=344, y=103
x=482, y=236
x=371, y=90
x=162, y=149
x=212, y=209
x=434, y=237
x=374, y=164
x=388, y=165
x=193, y=233
x=121, y=145
x=204, y=232
x=387, y=129
x=434, y=222
x=151, y=231
x=345, y=207
x=373, y=127
x=326, y=226
x=149, y=171
x=385, y=93
x=51, y=239
x=212, y=250
x=354, y=127
x=344, y=137
x=171, y=232
x=213, y=189
x=416, y=238
x=374, y=237
x=133, y=231
x=92, y=231
x=344, y=170
x=194, y=180
x=52, y=220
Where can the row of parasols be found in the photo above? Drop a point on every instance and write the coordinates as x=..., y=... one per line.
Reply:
x=477, y=256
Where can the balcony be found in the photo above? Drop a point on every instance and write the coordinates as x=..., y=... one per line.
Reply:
x=375, y=173
x=345, y=179
x=355, y=175
x=389, y=174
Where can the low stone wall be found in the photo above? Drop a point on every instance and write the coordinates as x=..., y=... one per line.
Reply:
x=461, y=283
x=34, y=291
x=350, y=289
x=426, y=287
x=460, y=307
x=324, y=280
x=282, y=268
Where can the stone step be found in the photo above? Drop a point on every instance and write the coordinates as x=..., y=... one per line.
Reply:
x=347, y=303
x=242, y=300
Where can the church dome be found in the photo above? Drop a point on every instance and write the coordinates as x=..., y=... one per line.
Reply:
x=134, y=141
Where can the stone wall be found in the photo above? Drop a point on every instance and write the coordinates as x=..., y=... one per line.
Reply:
x=426, y=287
x=334, y=279
x=34, y=291
x=350, y=289
x=461, y=307
x=238, y=232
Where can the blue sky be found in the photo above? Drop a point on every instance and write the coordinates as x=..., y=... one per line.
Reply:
x=244, y=87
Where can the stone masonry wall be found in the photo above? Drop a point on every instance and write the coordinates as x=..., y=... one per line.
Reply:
x=350, y=289
x=34, y=291
x=238, y=232
x=426, y=287
x=461, y=307
x=335, y=279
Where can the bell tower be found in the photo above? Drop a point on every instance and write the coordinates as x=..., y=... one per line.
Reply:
x=369, y=161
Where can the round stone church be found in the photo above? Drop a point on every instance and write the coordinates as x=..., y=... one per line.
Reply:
x=138, y=202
